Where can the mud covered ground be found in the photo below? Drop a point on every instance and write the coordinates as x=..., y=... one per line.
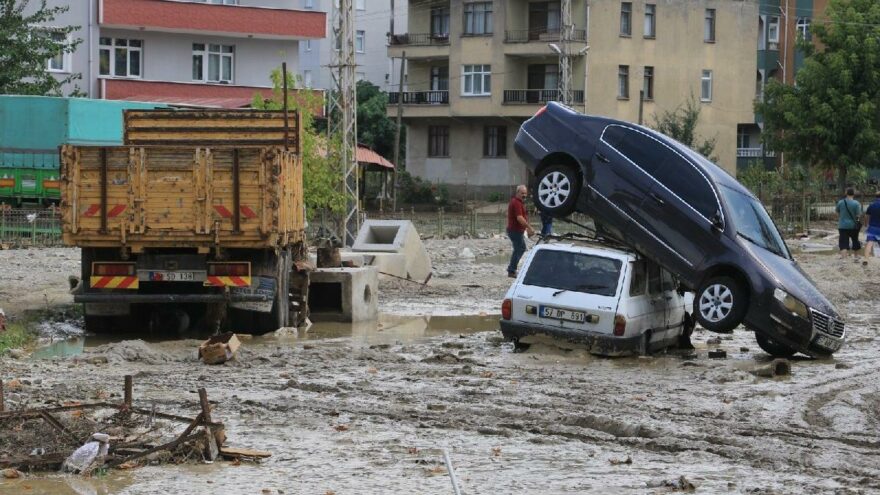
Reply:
x=366, y=408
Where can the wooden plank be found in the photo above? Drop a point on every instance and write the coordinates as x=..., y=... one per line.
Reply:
x=238, y=452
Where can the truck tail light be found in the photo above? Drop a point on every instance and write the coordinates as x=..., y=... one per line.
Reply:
x=506, y=309
x=619, y=325
x=229, y=269
x=113, y=269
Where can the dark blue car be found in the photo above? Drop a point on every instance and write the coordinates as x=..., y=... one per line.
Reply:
x=686, y=214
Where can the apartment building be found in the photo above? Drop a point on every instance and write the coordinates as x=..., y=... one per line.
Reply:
x=780, y=24
x=477, y=70
x=212, y=53
x=372, y=22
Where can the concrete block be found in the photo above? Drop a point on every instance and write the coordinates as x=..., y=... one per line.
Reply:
x=395, y=236
x=389, y=263
x=356, y=258
x=344, y=294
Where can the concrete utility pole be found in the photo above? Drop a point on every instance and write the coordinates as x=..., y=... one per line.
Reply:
x=565, y=53
x=343, y=102
x=397, y=133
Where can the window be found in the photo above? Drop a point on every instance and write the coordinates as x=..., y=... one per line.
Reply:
x=309, y=4
x=575, y=272
x=60, y=62
x=706, y=86
x=439, y=78
x=218, y=59
x=803, y=27
x=623, y=81
x=639, y=277
x=742, y=137
x=637, y=147
x=680, y=176
x=648, y=83
x=307, y=78
x=478, y=18
x=360, y=41
x=752, y=221
x=360, y=4
x=494, y=141
x=626, y=9
x=439, y=21
x=773, y=29
x=438, y=141
x=476, y=80
x=308, y=45
x=120, y=57
x=709, y=26
x=544, y=17
x=654, y=280
x=650, y=20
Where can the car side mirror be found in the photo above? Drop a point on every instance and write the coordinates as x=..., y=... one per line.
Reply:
x=717, y=222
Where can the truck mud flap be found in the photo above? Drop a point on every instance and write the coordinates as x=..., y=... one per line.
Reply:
x=261, y=286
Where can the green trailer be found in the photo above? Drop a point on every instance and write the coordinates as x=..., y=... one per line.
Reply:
x=32, y=128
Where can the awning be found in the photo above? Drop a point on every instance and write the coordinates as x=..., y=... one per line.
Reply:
x=366, y=156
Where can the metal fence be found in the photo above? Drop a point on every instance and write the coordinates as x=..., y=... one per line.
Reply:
x=30, y=227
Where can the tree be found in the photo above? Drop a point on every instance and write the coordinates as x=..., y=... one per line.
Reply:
x=322, y=176
x=830, y=117
x=681, y=124
x=374, y=128
x=26, y=46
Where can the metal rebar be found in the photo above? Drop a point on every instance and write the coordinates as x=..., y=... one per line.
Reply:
x=451, y=472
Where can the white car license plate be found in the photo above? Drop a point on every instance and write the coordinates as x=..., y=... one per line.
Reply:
x=827, y=343
x=562, y=314
x=172, y=276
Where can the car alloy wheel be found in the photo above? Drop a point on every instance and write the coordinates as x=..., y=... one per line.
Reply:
x=554, y=189
x=716, y=303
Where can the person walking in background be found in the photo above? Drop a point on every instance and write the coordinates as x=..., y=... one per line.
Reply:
x=872, y=222
x=848, y=212
x=546, y=224
x=517, y=227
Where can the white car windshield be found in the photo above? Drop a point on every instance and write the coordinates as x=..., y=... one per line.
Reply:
x=752, y=222
x=576, y=272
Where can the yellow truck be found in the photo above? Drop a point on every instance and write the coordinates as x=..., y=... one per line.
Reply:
x=196, y=222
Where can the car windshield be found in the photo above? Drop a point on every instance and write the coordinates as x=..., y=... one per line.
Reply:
x=576, y=272
x=753, y=223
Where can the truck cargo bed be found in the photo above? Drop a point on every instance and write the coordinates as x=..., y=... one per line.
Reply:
x=176, y=196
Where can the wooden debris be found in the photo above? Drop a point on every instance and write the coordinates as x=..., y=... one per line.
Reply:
x=238, y=452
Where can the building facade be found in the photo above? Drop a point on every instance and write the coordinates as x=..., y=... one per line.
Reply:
x=477, y=70
x=373, y=21
x=213, y=53
x=781, y=23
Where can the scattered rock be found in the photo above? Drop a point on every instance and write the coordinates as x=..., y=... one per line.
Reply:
x=842, y=366
x=718, y=354
x=681, y=484
x=777, y=367
x=436, y=407
x=16, y=353
x=615, y=462
x=11, y=474
x=743, y=349
x=713, y=341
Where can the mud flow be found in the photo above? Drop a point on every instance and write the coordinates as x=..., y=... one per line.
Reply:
x=368, y=409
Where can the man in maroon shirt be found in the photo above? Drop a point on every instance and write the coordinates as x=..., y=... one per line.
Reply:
x=517, y=227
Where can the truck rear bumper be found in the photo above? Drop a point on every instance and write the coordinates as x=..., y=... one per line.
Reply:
x=95, y=297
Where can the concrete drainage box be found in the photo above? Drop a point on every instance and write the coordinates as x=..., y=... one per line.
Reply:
x=386, y=240
x=344, y=294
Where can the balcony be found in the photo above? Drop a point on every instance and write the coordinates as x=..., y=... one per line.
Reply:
x=420, y=98
x=539, y=96
x=215, y=19
x=418, y=39
x=754, y=153
x=528, y=35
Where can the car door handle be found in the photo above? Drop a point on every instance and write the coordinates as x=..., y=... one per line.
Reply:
x=602, y=158
x=658, y=199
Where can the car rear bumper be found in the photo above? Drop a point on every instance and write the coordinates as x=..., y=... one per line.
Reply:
x=596, y=343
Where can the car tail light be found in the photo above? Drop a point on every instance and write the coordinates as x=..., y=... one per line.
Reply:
x=506, y=309
x=619, y=325
x=113, y=269
x=540, y=111
x=229, y=269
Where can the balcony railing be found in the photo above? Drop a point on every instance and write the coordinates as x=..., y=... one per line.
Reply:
x=418, y=39
x=544, y=34
x=420, y=98
x=539, y=96
x=754, y=153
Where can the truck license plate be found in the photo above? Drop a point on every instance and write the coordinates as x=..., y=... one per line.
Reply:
x=562, y=314
x=172, y=276
x=827, y=343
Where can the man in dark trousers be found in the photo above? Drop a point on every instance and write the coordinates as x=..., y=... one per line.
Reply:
x=517, y=227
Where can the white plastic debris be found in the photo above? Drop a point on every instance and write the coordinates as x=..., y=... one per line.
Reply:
x=87, y=456
x=467, y=254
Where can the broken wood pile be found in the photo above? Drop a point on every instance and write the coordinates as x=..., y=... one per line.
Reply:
x=201, y=439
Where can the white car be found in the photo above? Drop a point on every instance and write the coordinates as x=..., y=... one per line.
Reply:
x=607, y=298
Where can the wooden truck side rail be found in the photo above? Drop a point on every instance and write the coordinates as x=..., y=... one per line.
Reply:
x=172, y=196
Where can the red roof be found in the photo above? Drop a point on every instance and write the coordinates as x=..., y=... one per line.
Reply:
x=184, y=94
x=366, y=155
x=237, y=20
